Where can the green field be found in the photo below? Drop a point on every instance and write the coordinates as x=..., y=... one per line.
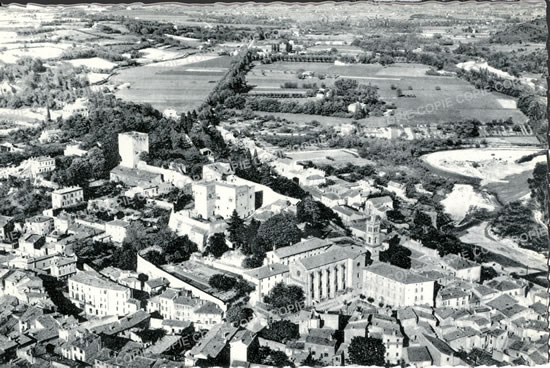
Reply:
x=455, y=100
x=182, y=88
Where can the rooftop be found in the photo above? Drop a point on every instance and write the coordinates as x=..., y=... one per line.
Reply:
x=66, y=190
x=135, y=174
x=347, y=211
x=264, y=272
x=396, y=273
x=244, y=336
x=419, y=354
x=458, y=263
x=335, y=254
x=209, y=308
x=119, y=223
x=380, y=201
x=301, y=247
x=440, y=345
x=91, y=279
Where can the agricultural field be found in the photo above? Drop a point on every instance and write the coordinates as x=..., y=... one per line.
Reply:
x=342, y=50
x=172, y=84
x=94, y=63
x=44, y=51
x=150, y=55
x=456, y=99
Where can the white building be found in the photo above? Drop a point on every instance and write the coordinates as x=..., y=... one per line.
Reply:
x=221, y=199
x=198, y=230
x=330, y=274
x=66, y=197
x=292, y=169
x=50, y=135
x=396, y=286
x=41, y=225
x=98, y=296
x=80, y=107
x=116, y=229
x=130, y=147
x=41, y=165
x=74, y=150
x=265, y=278
x=461, y=268
x=62, y=267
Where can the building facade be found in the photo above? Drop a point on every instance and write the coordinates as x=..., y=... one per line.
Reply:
x=221, y=199
x=98, y=296
x=67, y=197
x=330, y=274
x=396, y=286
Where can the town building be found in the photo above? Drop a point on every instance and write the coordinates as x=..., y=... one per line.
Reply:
x=67, y=197
x=116, y=230
x=41, y=165
x=379, y=206
x=197, y=229
x=80, y=107
x=41, y=225
x=292, y=253
x=221, y=199
x=396, y=286
x=329, y=274
x=461, y=268
x=98, y=296
x=265, y=278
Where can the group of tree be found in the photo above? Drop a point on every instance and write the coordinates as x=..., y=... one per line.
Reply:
x=225, y=283
x=170, y=140
x=316, y=216
x=531, y=31
x=173, y=248
x=266, y=356
x=281, y=331
x=34, y=85
x=444, y=242
x=515, y=220
x=283, y=296
x=255, y=239
x=262, y=173
x=346, y=92
x=367, y=351
x=71, y=170
x=396, y=254
x=21, y=199
x=216, y=245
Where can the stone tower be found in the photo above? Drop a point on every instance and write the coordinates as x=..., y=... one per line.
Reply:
x=373, y=236
x=130, y=146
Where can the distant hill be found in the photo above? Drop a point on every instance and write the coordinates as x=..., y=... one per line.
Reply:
x=531, y=31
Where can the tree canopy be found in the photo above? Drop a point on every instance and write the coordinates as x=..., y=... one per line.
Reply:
x=367, y=351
